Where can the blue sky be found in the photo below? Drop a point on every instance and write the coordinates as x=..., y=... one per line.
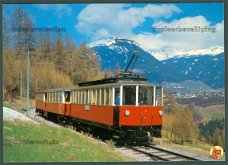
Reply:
x=89, y=22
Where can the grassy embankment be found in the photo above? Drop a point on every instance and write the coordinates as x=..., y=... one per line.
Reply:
x=52, y=144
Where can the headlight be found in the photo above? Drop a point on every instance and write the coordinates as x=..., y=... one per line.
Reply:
x=160, y=113
x=127, y=113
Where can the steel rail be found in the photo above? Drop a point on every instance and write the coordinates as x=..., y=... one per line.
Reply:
x=171, y=152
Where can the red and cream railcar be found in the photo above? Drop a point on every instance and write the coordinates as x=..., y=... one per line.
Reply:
x=140, y=105
x=53, y=101
x=128, y=107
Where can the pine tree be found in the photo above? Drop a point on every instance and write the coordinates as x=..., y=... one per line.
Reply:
x=59, y=54
x=70, y=46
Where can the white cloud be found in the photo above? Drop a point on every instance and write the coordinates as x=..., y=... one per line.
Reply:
x=59, y=9
x=118, y=19
x=169, y=44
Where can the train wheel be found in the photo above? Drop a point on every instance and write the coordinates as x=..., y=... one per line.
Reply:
x=120, y=142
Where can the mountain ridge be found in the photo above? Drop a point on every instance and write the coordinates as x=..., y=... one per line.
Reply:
x=175, y=69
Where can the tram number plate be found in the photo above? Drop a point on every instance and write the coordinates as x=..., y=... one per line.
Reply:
x=87, y=107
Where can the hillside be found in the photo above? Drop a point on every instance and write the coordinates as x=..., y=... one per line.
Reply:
x=206, y=68
x=26, y=142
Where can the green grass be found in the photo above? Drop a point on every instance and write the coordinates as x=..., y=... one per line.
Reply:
x=64, y=145
x=7, y=104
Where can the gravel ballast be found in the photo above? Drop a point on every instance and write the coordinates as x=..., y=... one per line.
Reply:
x=11, y=115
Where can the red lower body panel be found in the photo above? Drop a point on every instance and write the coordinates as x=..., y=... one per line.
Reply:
x=93, y=113
x=140, y=116
x=57, y=108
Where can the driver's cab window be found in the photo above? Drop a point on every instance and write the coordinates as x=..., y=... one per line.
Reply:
x=145, y=95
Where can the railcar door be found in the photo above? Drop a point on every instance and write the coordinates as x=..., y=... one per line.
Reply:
x=67, y=103
x=116, y=103
x=45, y=100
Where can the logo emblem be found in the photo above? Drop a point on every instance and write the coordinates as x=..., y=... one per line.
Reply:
x=216, y=152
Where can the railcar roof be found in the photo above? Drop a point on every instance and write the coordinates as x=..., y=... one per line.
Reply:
x=112, y=80
x=125, y=83
x=55, y=90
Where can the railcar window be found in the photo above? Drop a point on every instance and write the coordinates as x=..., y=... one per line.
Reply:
x=110, y=97
x=84, y=97
x=80, y=97
x=146, y=95
x=117, y=96
x=102, y=96
x=90, y=96
x=159, y=96
x=53, y=97
x=129, y=95
x=72, y=97
x=56, y=97
x=87, y=96
x=106, y=96
x=98, y=97
x=76, y=96
x=60, y=97
x=93, y=96
x=88, y=100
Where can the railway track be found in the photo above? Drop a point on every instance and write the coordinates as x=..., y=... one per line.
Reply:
x=158, y=154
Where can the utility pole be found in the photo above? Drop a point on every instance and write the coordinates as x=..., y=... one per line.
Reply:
x=28, y=84
x=21, y=106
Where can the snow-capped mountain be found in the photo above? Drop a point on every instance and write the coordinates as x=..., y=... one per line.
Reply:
x=104, y=41
x=164, y=54
x=213, y=51
x=112, y=53
x=207, y=68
